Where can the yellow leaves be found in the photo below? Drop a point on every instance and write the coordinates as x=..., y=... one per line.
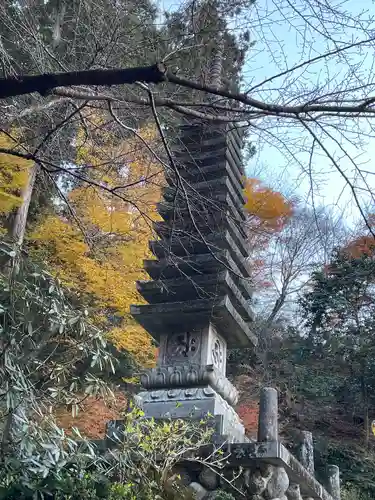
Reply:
x=270, y=208
x=62, y=245
x=118, y=226
x=110, y=282
x=103, y=211
x=135, y=340
x=13, y=177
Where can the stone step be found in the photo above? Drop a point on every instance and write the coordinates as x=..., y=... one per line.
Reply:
x=182, y=316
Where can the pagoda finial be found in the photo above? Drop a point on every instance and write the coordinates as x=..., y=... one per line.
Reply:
x=217, y=63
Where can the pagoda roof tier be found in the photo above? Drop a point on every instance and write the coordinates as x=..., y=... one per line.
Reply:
x=207, y=191
x=186, y=245
x=193, y=265
x=194, y=131
x=207, y=220
x=202, y=144
x=176, y=317
x=205, y=173
x=222, y=240
x=202, y=225
x=209, y=286
x=197, y=162
x=214, y=211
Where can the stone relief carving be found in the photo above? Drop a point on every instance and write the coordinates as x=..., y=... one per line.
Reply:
x=190, y=375
x=218, y=354
x=294, y=492
x=183, y=346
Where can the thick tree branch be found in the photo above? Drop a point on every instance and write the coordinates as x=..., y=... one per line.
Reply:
x=19, y=85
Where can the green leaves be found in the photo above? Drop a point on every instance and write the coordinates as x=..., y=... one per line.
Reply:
x=48, y=351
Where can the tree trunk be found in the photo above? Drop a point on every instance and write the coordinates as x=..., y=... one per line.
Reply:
x=366, y=424
x=365, y=412
x=19, y=224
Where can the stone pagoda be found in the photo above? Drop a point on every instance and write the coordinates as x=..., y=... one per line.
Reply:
x=200, y=290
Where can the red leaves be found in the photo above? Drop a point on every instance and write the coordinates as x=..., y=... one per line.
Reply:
x=249, y=414
x=364, y=244
x=93, y=416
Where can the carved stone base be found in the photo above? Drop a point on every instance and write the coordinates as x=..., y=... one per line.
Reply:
x=195, y=402
x=189, y=375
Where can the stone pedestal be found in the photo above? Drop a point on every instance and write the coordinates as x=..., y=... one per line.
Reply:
x=194, y=403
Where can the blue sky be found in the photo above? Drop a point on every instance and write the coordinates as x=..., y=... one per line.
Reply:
x=286, y=48
x=284, y=39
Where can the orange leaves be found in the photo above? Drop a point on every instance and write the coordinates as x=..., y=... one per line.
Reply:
x=268, y=213
x=249, y=414
x=364, y=244
x=268, y=209
x=93, y=416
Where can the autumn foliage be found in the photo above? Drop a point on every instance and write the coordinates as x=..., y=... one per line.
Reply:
x=364, y=243
x=93, y=416
x=268, y=210
x=95, y=237
x=249, y=414
x=13, y=176
x=98, y=253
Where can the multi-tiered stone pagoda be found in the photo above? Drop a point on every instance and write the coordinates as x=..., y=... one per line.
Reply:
x=199, y=305
x=200, y=292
